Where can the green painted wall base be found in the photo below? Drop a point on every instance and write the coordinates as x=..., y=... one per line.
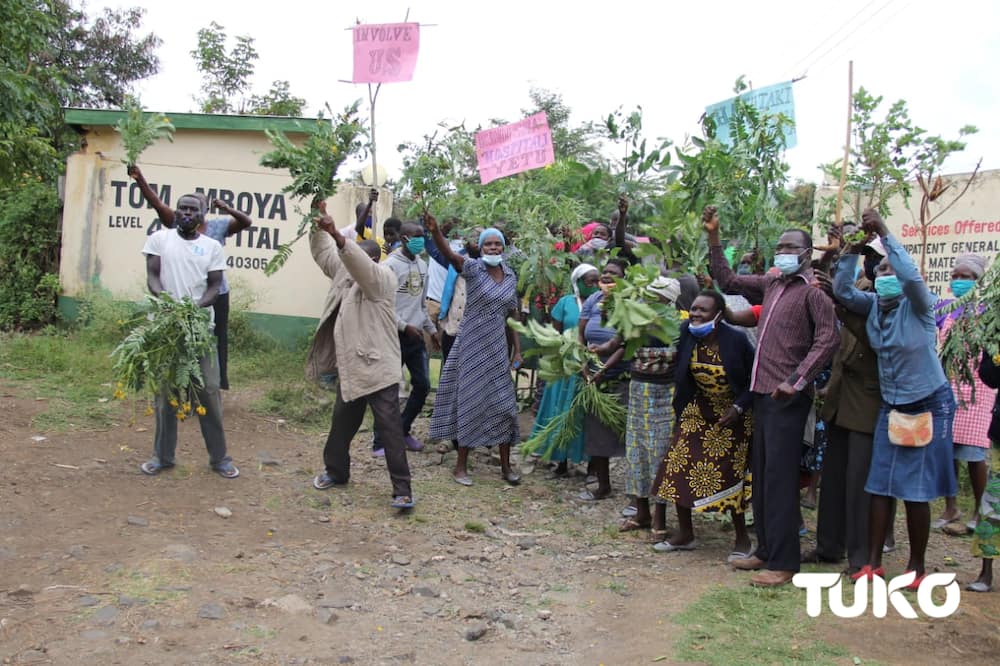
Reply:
x=287, y=330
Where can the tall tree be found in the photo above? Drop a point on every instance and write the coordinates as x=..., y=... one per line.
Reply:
x=227, y=78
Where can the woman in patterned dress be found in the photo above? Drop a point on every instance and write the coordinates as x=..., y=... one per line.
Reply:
x=705, y=468
x=476, y=404
x=972, y=417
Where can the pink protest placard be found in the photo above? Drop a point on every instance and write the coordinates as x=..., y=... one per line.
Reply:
x=509, y=149
x=385, y=52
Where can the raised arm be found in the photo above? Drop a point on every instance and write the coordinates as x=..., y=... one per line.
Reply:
x=435, y=253
x=239, y=221
x=852, y=298
x=323, y=247
x=359, y=223
x=750, y=286
x=455, y=259
x=914, y=287
x=164, y=211
x=620, y=227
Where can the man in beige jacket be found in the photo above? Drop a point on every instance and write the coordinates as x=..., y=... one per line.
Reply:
x=368, y=357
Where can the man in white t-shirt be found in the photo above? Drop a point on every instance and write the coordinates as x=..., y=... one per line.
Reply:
x=183, y=262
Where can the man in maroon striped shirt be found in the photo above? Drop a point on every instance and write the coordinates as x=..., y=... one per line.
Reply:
x=797, y=337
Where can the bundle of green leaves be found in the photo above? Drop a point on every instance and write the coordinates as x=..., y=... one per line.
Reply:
x=140, y=130
x=973, y=335
x=161, y=353
x=313, y=166
x=635, y=314
x=562, y=355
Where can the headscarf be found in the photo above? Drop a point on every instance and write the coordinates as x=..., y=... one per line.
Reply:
x=576, y=276
x=973, y=263
x=492, y=231
x=668, y=288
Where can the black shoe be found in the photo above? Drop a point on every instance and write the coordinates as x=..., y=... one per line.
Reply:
x=814, y=557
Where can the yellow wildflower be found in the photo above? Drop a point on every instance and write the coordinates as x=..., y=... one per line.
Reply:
x=149, y=411
x=173, y=402
x=119, y=394
x=996, y=359
x=683, y=314
x=201, y=410
x=187, y=407
x=180, y=416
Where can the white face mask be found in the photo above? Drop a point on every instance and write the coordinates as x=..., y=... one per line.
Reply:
x=492, y=259
x=598, y=243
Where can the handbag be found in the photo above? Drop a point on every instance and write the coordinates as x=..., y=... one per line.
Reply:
x=911, y=430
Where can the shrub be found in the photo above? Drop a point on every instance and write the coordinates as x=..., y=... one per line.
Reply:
x=29, y=255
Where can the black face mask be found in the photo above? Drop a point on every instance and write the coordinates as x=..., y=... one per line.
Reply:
x=871, y=263
x=188, y=224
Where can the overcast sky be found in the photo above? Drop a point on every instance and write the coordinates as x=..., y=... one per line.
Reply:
x=479, y=60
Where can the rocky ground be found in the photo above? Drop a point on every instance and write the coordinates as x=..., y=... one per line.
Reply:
x=102, y=565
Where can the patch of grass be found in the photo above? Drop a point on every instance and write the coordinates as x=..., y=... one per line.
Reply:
x=273, y=503
x=258, y=631
x=475, y=526
x=65, y=370
x=745, y=625
x=616, y=586
x=300, y=403
x=151, y=586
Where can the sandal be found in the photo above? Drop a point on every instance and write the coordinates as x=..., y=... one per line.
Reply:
x=402, y=502
x=152, y=467
x=957, y=529
x=462, y=480
x=656, y=536
x=227, y=470
x=979, y=586
x=631, y=525
x=667, y=547
x=587, y=496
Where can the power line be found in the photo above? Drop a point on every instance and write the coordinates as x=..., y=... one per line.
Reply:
x=865, y=27
x=832, y=61
x=833, y=34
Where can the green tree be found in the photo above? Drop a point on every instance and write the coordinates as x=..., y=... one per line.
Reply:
x=745, y=178
x=52, y=55
x=278, y=101
x=888, y=155
x=227, y=76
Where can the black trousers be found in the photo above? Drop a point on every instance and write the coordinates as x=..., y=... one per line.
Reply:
x=777, y=447
x=842, y=516
x=221, y=308
x=347, y=417
x=446, y=343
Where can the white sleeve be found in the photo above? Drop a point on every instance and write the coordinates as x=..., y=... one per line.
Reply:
x=154, y=244
x=218, y=262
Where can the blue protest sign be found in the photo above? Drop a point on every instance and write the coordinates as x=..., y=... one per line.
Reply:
x=772, y=99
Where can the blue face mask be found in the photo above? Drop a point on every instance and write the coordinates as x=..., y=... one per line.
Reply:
x=743, y=269
x=788, y=264
x=492, y=259
x=962, y=287
x=415, y=245
x=701, y=330
x=888, y=286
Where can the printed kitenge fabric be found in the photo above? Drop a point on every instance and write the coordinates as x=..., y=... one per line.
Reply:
x=986, y=538
x=706, y=466
x=647, y=434
x=475, y=403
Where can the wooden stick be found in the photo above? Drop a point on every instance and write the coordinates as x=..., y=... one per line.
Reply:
x=839, y=221
x=65, y=466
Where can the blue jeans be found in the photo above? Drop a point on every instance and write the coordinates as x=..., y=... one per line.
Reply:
x=414, y=356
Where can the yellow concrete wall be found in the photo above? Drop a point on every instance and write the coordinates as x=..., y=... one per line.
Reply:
x=971, y=225
x=105, y=220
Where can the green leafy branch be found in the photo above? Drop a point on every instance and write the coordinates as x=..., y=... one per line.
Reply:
x=140, y=130
x=161, y=354
x=313, y=166
x=635, y=315
x=973, y=335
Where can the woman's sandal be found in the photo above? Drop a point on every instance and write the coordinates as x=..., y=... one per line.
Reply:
x=656, y=536
x=631, y=525
x=586, y=495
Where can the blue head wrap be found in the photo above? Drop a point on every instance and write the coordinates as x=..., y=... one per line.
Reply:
x=492, y=231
